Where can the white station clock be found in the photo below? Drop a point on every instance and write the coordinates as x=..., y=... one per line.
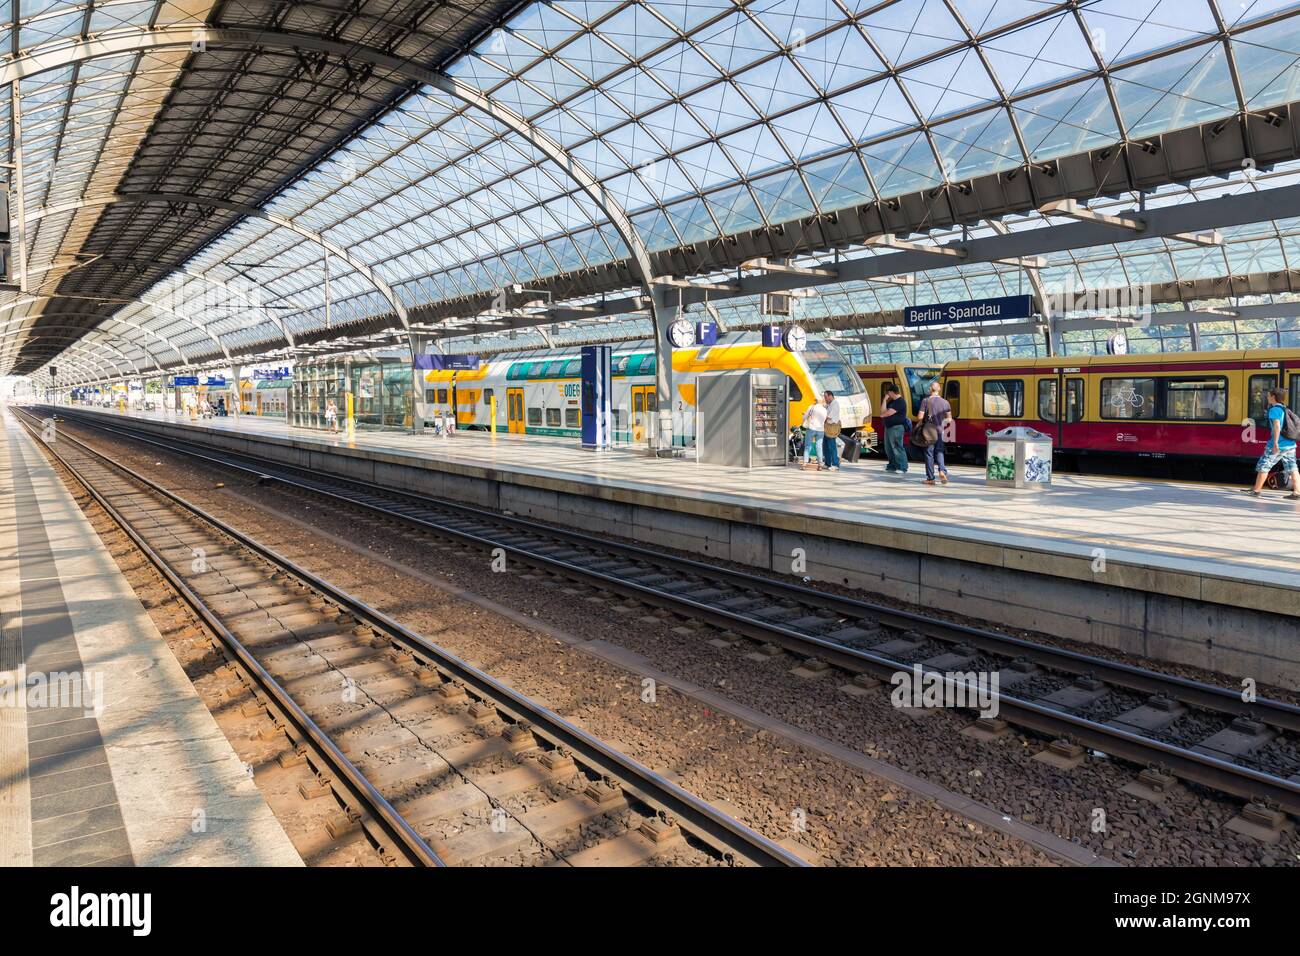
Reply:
x=681, y=334
x=795, y=339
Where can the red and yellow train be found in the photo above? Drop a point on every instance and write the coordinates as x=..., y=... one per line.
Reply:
x=1194, y=407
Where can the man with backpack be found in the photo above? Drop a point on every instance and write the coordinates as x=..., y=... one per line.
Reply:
x=1284, y=429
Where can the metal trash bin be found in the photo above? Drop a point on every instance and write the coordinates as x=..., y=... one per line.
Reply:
x=1018, y=457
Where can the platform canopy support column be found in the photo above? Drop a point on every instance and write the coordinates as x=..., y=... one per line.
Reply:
x=665, y=310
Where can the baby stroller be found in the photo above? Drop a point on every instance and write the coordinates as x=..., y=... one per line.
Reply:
x=797, y=439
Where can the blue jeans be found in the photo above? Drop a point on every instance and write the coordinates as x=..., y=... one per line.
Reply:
x=894, y=448
x=934, y=459
x=830, y=451
x=812, y=445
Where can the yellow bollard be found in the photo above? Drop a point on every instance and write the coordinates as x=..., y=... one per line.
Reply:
x=492, y=427
x=352, y=422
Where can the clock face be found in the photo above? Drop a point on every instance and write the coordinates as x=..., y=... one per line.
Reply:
x=1119, y=344
x=795, y=338
x=680, y=334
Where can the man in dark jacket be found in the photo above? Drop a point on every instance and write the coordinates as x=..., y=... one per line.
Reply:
x=894, y=420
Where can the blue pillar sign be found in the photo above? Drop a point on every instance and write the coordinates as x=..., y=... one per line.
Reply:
x=706, y=333
x=597, y=396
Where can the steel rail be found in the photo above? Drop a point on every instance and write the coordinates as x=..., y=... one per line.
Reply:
x=1210, y=771
x=361, y=788
x=1275, y=713
x=692, y=813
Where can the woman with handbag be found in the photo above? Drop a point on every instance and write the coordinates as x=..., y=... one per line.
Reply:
x=814, y=423
x=928, y=434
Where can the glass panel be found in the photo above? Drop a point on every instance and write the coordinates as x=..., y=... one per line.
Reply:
x=1196, y=400
x=1074, y=395
x=1004, y=398
x=1047, y=408
x=1257, y=388
x=1128, y=398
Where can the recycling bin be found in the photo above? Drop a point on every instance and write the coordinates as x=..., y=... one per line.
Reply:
x=1018, y=457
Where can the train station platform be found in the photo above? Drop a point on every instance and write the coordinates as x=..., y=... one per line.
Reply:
x=1189, y=573
x=107, y=754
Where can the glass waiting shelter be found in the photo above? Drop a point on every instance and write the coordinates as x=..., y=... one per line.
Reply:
x=380, y=384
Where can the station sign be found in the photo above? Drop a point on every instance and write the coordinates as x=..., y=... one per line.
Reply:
x=217, y=380
x=971, y=310
x=447, y=363
x=706, y=333
x=270, y=374
x=180, y=381
x=792, y=338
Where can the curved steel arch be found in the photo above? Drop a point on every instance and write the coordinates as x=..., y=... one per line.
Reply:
x=61, y=53
x=252, y=212
x=153, y=305
x=270, y=315
x=55, y=351
x=110, y=351
x=103, y=318
x=85, y=350
x=77, y=328
x=87, y=372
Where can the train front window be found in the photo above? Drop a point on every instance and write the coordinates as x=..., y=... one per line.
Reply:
x=830, y=370
x=918, y=383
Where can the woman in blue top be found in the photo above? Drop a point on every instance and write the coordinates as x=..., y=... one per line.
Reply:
x=1277, y=448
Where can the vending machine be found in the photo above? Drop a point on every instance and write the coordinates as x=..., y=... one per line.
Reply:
x=743, y=418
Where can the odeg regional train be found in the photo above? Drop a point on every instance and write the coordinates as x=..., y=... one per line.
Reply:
x=538, y=392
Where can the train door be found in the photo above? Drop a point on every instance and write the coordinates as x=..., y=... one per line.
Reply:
x=515, y=411
x=644, y=406
x=1061, y=408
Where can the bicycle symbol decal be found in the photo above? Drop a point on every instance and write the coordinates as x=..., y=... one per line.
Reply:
x=1127, y=395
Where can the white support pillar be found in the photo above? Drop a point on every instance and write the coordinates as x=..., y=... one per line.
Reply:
x=18, y=236
x=664, y=313
x=235, y=372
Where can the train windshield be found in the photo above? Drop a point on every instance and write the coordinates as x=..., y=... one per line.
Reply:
x=918, y=382
x=831, y=370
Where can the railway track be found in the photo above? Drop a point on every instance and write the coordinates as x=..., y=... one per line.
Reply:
x=1169, y=726
x=438, y=763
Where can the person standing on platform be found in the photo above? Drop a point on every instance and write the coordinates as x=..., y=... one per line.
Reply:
x=831, y=439
x=332, y=416
x=894, y=418
x=935, y=412
x=814, y=423
x=1284, y=428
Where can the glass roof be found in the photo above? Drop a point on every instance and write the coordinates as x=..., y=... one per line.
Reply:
x=700, y=119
